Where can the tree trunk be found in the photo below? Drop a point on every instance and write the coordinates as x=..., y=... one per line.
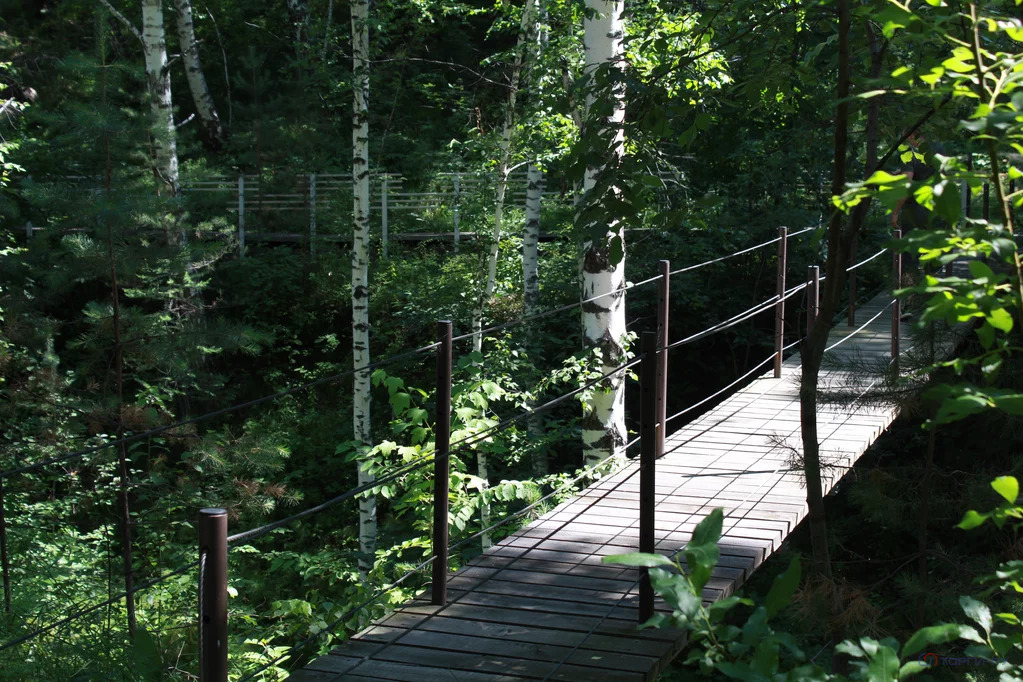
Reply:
x=213, y=132
x=603, y=320
x=298, y=13
x=531, y=295
x=154, y=43
x=360, y=270
x=507, y=132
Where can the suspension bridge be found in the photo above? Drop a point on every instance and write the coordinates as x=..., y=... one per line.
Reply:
x=541, y=603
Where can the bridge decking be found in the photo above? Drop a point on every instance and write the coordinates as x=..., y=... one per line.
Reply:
x=542, y=597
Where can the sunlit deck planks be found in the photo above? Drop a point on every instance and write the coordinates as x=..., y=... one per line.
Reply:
x=541, y=605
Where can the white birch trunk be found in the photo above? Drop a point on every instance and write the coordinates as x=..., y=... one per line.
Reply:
x=204, y=105
x=154, y=42
x=531, y=293
x=504, y=159
x=298, y=11
x=603, y=320
x=360, y=270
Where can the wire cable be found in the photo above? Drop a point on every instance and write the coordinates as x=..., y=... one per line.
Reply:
x=860, y=328
x=413, y=465
x=96, y=607
x=739, y=253
x=866, y=260
x=628, y=287
x=736, y=319
x=348, y=614
x=745, y=376
x=555, y=311
x=215, y=413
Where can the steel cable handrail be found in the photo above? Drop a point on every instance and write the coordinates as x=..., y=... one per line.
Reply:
x=95, y=607
x=739, y=253
x=570, y=306
x=216, y=413
x=736, y=319
x=413, y=465
x=555, y=311
x=860, y=328
x=737, y=381
x=866, y=260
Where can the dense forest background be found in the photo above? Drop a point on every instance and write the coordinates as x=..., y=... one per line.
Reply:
x=138, y=295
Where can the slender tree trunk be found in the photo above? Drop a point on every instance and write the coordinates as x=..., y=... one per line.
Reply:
x=204, y=106
x=298, y=12
x=603, y=320
x=154, y=42
x=531, y=296
x=360, y=270
x=122, y=455
x=503, y=162
x=812, y=349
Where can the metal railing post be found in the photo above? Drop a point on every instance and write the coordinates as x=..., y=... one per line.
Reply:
x=28, y=232
x=663, y=296
x=241, y=215
x=897, y=305
x=4, y=560
x=383, y=214
x=457, y=194
x=813, y=281
x=312, y=214
x=779, y=307
x=441, y=465
x=213, y=595
x=648, y=458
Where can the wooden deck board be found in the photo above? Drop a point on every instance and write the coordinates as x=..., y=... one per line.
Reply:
x=540, y=604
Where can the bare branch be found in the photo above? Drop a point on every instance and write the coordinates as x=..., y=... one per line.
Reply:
x=123, y=19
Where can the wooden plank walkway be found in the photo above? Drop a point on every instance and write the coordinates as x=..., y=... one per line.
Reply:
x=540, y=604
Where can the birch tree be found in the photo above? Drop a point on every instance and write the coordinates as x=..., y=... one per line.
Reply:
x=360, y=269
x=603, y=260
x=154, y=43
x=503, y=163
x=154, y=47
x=213, y=131
x=531, y=241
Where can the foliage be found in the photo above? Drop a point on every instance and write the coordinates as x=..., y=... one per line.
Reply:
x=753, y=650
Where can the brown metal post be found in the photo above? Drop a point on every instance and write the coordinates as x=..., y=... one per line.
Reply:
x=213, y=595
x=4, y=561
x=441, y=465
x=647, y=459
x=663, y=293
x=897, y=305
x=813, y=288
x=779, y=307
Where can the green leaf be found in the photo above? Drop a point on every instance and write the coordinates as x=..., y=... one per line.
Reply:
x=972, y=519
x=981, y=270
x=1007, y=487
x=708, y=531
x=784, y=586
x=638, y=559
x=938, y=634
x=999, y=318
x=883, y=664
x=977, y=611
